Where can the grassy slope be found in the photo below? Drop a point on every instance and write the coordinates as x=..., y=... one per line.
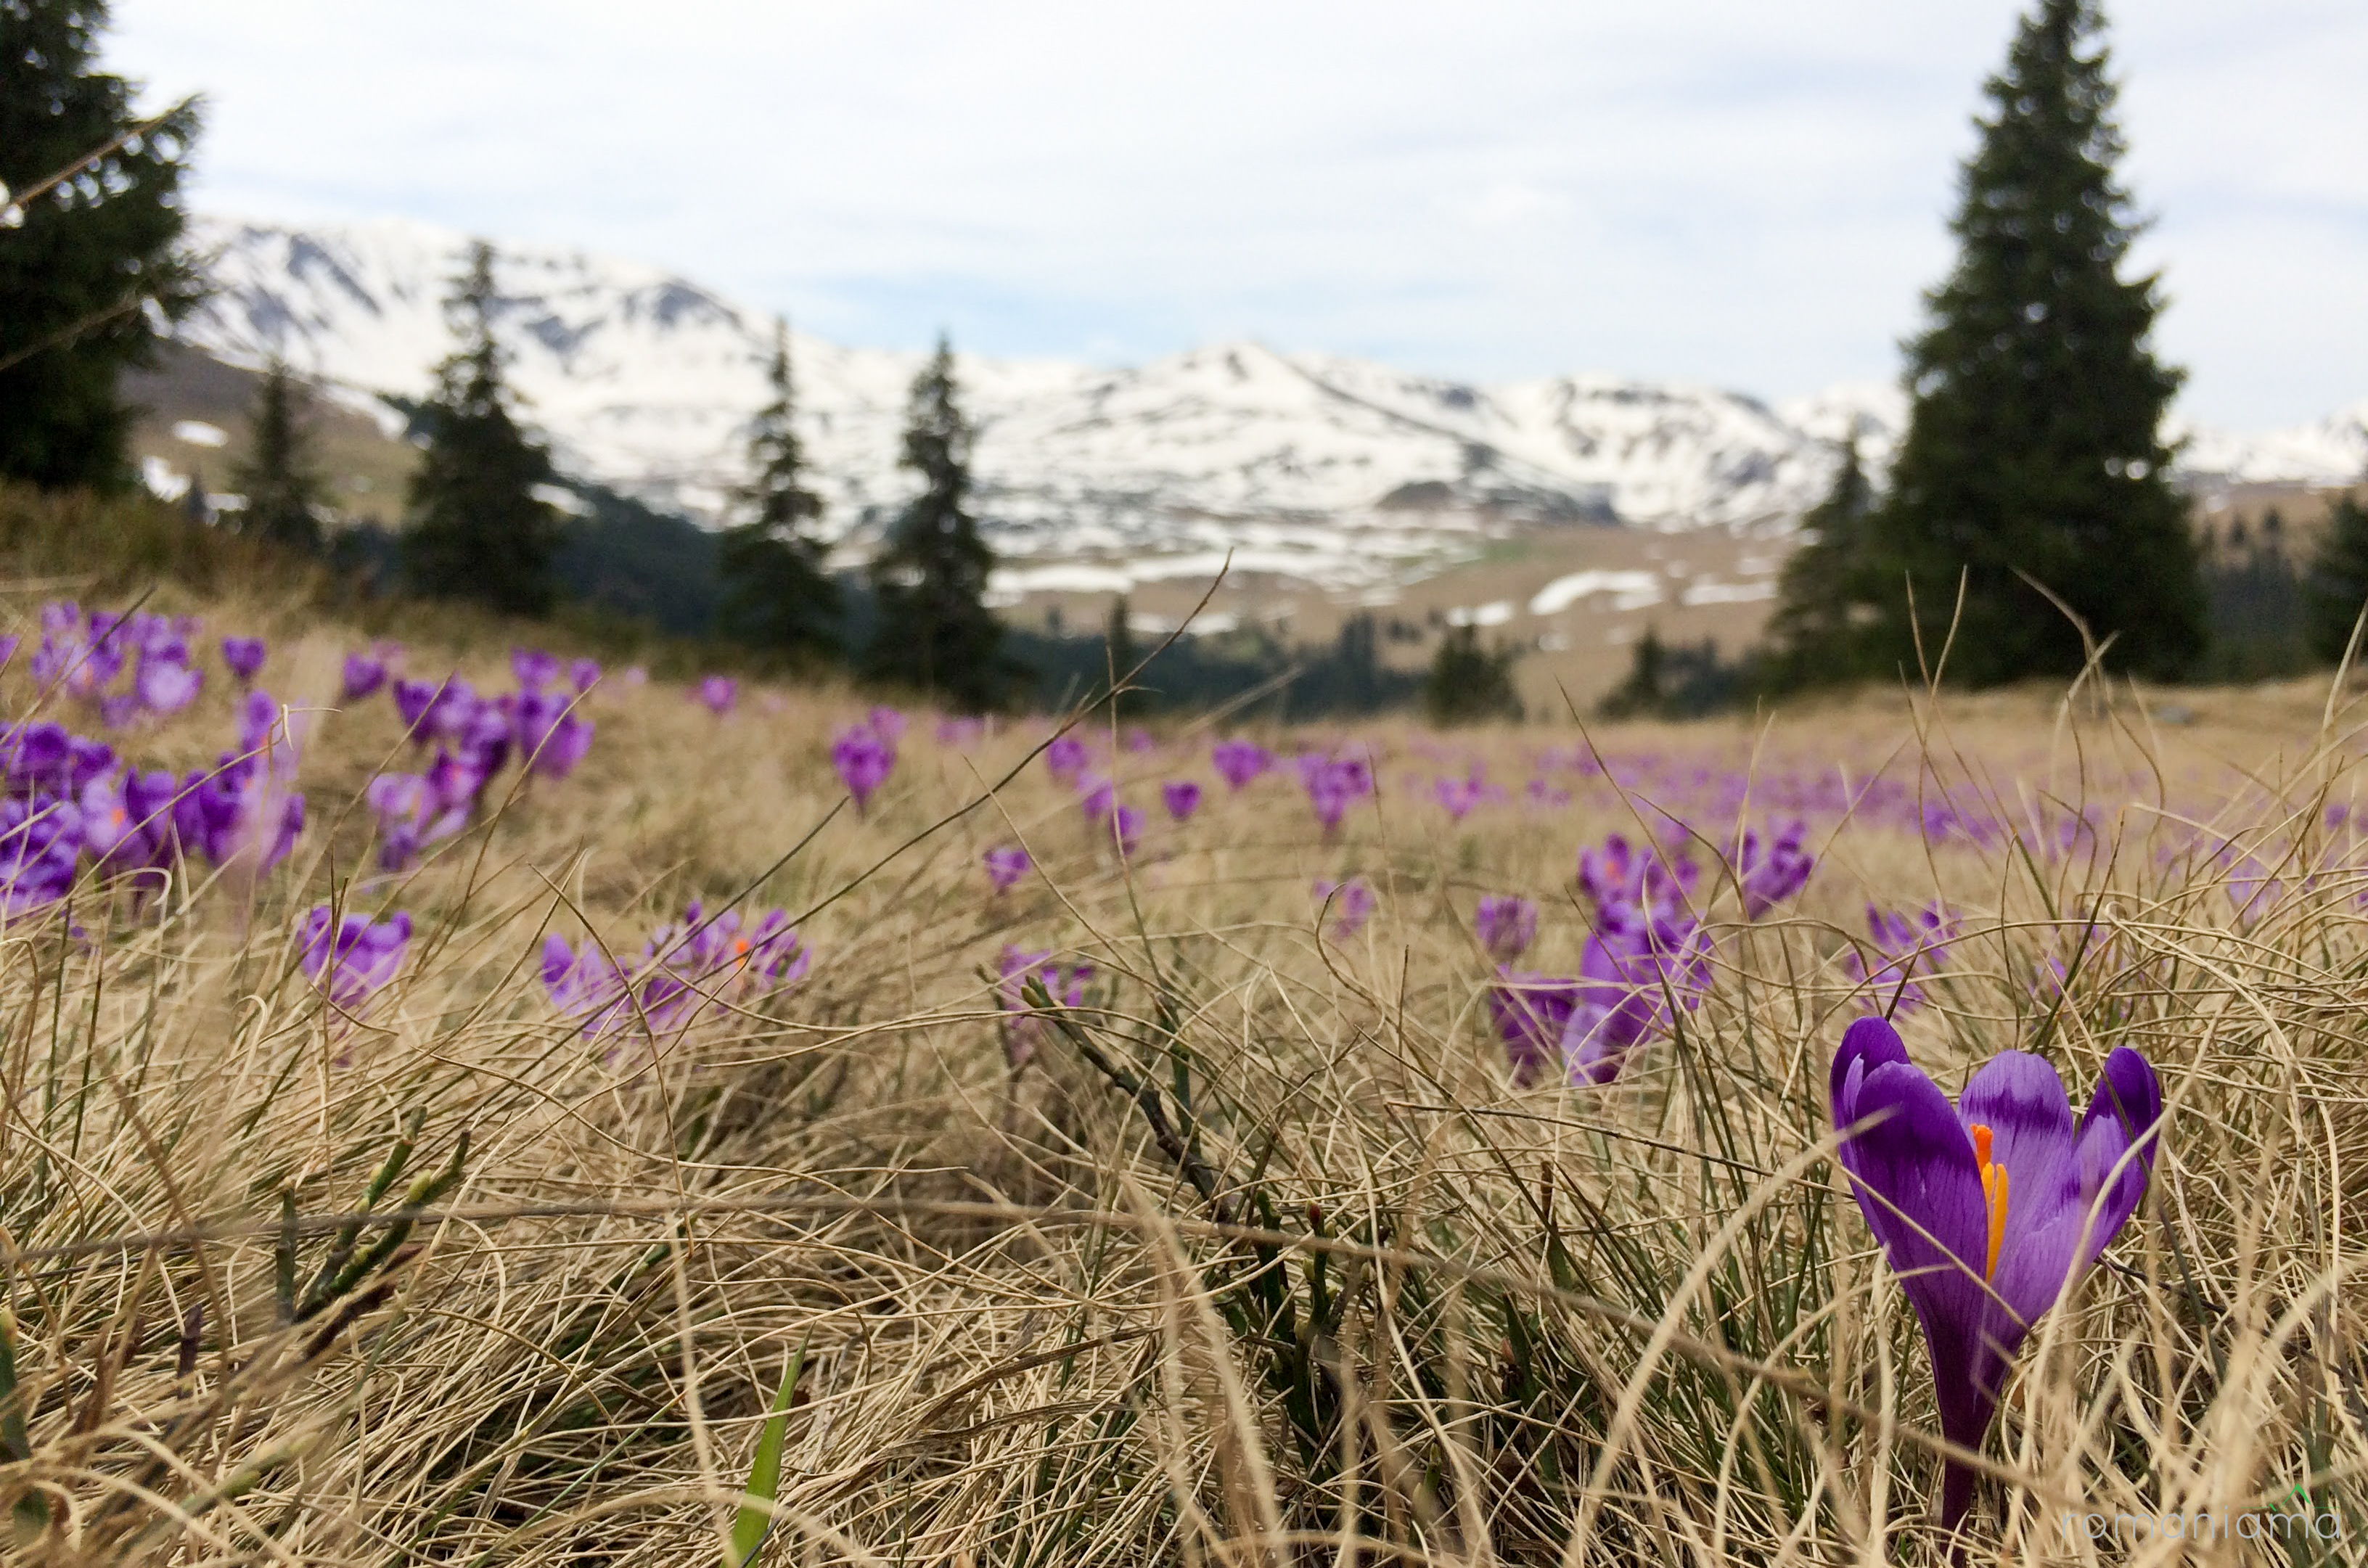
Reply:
x=1639, y=1324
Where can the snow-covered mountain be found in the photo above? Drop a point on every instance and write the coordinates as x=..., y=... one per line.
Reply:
x=643, y=382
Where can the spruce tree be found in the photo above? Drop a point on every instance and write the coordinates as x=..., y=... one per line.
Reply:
x=1468, y=683
x=284, y=491
x=1121, y=655
x=1818, y=633
x=776, y=595
x=2336, y=589
x=2035, y=444
x=477, y=530
x=935, y=632
x=90, y=265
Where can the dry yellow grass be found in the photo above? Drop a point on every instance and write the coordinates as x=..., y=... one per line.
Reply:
x=1640, y=1323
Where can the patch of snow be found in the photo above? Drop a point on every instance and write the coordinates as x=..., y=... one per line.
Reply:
x=1629, y=590
x=1496, y=612
x=1709, y=591
x=198, y=433
x=163, y=480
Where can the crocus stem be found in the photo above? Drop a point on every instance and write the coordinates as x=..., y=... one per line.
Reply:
x=1956, y=1501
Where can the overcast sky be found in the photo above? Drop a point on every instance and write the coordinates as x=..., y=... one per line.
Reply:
x=1733, y=191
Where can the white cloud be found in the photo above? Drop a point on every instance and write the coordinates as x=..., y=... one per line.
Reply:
x=1717, y=189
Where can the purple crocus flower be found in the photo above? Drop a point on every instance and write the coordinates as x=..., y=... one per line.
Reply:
x=1126, y=824
x=244, y=808
x=1139, y=740
x=245, y=657
x=534, y=668
x=1067, y=758
x=886, y=722
x=1506, y=924
x=44, y=758
x=716, y=693
x=584, y=674
x=1530, y=1012
x=415, y=809
x=1988, y=1208
x=1908, y=944
x=353, y=958
x=166, y=685
x=1023, y=1026
x=127, y=821
x=8, y=647
x=1182, y=797
x=1005, y=864
x=551, y=735
x=959, y=732
x=864, y=759
x=1620, y=874
x=1458, y=796
x=41, y=839
x=1238, y=762
x=1333, y=786
x=363, y=676
x=1771, y=875
x=1351, y=903
x=1097, y=798
x=699, y=965
x=1634, y=967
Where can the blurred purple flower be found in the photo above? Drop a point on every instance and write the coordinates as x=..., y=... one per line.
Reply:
x=1238, y=762
x=1126, y=824
x=1506, y=924
x=44, y=757
x=1351, y=903
x=41, y=840
x=688, y=969
x=8, y=647
x=1546, y=795
x=716, y=693
x=1139, y=739
x=166, y=686
x=534, y=668
x=959, y=732
x=553, y=736
x=1772, y=874
x=1097, y=798
x=246, y=808
x=1006, y=865
x=127, y=821
x=1023, y=1026
x=353, y=958
x=1530, y=1012
x=864, y=759
x=1333, y=785
x=635, y=676
x=1908, y=945
x=1988, y=1208
x=1182, y=797
x=886, y=722
x=363, y=676
x=1620, y=875
x=584, y=674
x=1635, y=964
x=245, y=658
x=1066, y=757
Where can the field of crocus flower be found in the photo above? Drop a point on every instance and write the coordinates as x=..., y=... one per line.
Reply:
x=486, y=1105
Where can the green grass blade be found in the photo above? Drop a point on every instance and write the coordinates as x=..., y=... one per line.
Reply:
x=749, y=1531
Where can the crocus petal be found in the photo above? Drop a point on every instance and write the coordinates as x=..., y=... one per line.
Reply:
x=2020, y=1097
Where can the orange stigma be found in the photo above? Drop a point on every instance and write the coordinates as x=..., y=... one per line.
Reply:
x=1993, y=1194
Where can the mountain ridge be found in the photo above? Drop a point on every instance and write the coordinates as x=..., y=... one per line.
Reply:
x=644, y=380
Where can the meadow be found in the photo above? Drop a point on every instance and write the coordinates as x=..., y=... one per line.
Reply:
x=482, y=1173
